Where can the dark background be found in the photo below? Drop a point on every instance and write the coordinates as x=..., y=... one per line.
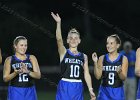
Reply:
x=121, y=13
x=95, y=20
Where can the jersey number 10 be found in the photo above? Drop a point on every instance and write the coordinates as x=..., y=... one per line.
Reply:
x=74, y=71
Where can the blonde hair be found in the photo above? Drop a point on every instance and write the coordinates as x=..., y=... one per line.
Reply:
x=74, y=31
x=117, y=38
x=17, y=39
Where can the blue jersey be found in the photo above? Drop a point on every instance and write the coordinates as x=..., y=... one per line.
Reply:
x=22, y=86
x=131, y=56
x=72, y=65
x=69, y=90
x=70, y=86
x=21, y=80
x=138, y=90
x=109, y=93
x=111, y=85
x=22, y=93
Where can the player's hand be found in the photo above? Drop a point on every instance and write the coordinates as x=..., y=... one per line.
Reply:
x=56, y=17
x=94, y=57
x=138, y=73
x=18, y=71
x=92, y=95
x=85, y=58
x=24, y=68
x=119, y=69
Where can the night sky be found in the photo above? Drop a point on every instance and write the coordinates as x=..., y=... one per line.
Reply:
x=95, y=20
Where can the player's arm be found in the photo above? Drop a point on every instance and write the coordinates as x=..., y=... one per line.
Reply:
x=88, y=77
x=36, y=70
x=61, y=48
x=137, y=64
x=98, y=65
x=0, y=56
x=6, y=71
x=122, y=72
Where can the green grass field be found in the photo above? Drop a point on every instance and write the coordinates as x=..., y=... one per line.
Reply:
x=42, y=95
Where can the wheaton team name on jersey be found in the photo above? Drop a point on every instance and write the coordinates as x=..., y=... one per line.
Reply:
x=72, y=65
x=18, y=65
x=22, y=79
x=111, y=68
x=74, y=61
x=110, y=76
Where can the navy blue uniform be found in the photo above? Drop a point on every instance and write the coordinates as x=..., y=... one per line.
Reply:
x=111, y=85
x=130, y=82
x=22, y=86
x=138, y=90
x=131, y=56
x=70, y=86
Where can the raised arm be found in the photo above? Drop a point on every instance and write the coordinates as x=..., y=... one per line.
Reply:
x=61, y=48
x=98, y=65
x=88, y=78
x=137, y=64
x=0, y=56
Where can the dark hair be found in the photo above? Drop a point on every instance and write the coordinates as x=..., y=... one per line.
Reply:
x=117, y=38
x=17, y=39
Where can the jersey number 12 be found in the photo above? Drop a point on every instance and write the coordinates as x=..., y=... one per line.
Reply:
x=23, y=78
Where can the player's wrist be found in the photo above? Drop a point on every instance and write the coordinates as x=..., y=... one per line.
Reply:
x=90, y=89
x=29, y=72
x=59, y=22
x=95, y=63
x=100, y=68
x=16, y=72
x=119, y=71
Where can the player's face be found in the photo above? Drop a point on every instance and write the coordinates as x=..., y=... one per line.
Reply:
x=73, y=40
x=111, y=45
x=21, y=47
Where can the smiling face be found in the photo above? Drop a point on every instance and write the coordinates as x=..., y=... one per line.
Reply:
x=21, y=47
x=112, y=45
x=73, y=38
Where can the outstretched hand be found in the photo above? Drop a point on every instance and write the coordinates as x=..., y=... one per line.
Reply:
x=56, y=17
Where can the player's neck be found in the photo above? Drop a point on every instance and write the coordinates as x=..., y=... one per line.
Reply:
x=113, y=55
x=20, y=56
x=74, y=50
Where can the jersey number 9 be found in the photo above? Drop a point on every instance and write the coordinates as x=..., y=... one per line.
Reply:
x=111, y=79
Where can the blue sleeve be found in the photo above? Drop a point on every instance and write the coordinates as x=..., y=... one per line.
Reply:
x=122, y=52
x=133, y=56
